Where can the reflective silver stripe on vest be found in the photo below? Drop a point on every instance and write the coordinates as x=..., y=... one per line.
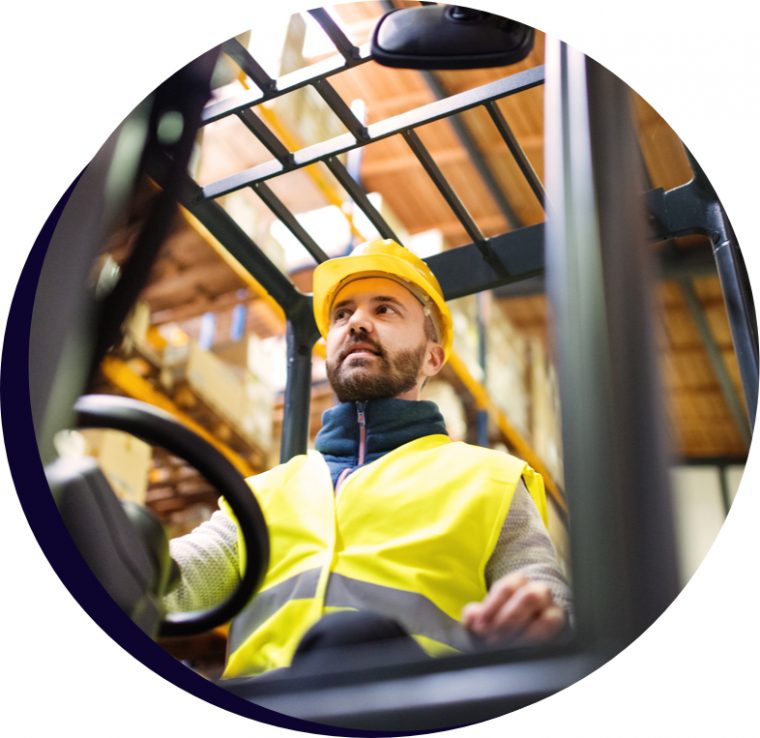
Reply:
x=415, y=612
x=265, y=604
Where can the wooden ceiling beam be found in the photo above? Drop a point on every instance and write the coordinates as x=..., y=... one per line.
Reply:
x=381, y=166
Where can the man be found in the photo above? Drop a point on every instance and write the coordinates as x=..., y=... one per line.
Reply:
x=388, y=530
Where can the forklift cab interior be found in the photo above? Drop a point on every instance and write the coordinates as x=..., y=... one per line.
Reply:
x=591, y=250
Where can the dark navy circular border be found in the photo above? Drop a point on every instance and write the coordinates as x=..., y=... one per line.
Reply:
x=47, y=525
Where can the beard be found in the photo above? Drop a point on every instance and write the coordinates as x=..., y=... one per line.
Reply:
x=395, y=373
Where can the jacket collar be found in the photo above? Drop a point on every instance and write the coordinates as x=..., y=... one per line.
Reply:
x=390, y=423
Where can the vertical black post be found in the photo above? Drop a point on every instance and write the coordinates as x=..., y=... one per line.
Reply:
x=739, y=306
x=301, y=334
x=734, y=282
x=643, y=449
x=616, y=476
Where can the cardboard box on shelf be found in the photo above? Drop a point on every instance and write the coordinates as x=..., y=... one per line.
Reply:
x=257, y=418
x=546, y=431
x=233, y=353
x=164, y=347
x=140, y=336
x=174, y=356
x=505, y=342
x=257, y=356
x=506, y=387
x=241, y=398
x=216, y=382
x=451, y=407
x=137, y=324
x=466, y=338
x=123, y=459
x=176, y=344
x=507, y=380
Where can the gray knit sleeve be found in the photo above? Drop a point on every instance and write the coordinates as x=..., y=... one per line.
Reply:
x=208, y=561
x=524, y=544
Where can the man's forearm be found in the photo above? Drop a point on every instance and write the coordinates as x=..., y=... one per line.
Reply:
x=208, y=562
x=524, y=545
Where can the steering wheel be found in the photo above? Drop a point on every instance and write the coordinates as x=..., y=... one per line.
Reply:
x=159, y=428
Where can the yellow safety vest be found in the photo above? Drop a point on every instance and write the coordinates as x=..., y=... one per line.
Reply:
x=408, y=535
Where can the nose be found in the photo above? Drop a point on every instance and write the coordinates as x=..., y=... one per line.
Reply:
x=359, y=322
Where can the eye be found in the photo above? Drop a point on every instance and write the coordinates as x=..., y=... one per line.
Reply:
x=384, y=309
x=340, y=315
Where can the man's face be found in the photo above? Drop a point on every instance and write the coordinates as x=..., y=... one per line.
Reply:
x=376, y=343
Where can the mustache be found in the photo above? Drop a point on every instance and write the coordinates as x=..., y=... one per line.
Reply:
x=351, y=344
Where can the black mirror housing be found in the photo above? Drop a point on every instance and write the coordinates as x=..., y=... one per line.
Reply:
x=449, y=37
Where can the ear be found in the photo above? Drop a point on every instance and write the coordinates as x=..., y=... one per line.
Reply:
x=433, y=360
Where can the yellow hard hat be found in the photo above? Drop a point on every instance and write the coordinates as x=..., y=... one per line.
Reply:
x=381, y=258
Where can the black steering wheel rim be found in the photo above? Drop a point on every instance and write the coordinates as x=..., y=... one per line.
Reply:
x=159, y=428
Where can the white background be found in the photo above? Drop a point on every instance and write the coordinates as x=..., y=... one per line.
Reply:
x=71, y=71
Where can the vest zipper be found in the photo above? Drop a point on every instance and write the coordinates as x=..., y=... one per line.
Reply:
x=362, y=450
x=362, y=420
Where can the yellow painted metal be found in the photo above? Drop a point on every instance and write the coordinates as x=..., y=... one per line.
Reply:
x=120, y=375
x=256, y=287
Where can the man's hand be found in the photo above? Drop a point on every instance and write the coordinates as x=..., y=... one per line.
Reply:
x=516, y=609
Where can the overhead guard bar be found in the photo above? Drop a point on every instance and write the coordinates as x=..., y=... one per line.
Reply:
x=396, y=124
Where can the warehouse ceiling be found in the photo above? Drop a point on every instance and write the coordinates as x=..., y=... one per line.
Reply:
x=501, y=190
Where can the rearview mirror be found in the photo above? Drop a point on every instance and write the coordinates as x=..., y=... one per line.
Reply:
x=449, y=37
